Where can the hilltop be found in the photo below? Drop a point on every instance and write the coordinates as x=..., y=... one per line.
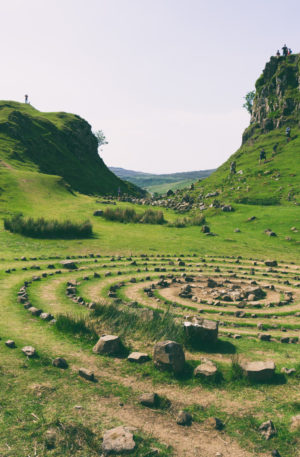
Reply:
x=276, y=181
x=160, y=183
x=59, y=144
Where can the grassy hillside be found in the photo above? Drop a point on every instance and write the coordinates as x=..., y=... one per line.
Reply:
x=277, y=179
x=57, y=144
x=160, y=183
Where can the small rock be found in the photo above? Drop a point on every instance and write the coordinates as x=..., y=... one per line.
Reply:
x=184, y=418
x=29, y=351
x=267, y=429
x=138, y=357
x=10, y=344
x=50, y=439
x=214, y=423
x=149, y=399
x=60, y=362
x=206, y=369
x=288, y=371
x=86, y=374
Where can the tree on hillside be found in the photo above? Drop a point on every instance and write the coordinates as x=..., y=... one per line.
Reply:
x=249, y=101
x=101, y=138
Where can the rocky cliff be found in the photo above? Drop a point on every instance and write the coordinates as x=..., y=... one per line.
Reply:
x=277, y=97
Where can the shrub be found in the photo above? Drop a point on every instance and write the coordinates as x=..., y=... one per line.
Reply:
x=129, y=215
x=52, y=228
x=152, y=217
x=198, y=220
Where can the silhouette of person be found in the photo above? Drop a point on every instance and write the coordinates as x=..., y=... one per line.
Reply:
x=26, y=98
x=285, y=50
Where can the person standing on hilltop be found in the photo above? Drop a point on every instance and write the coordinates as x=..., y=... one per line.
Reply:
x=26, y=98
x=288, y=134
x=278, y=53
x=285, y=50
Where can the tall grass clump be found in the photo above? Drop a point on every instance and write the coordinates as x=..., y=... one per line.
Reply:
x=129, y=215
x=197, y=220
x=51, y=228
x=124, y=322
x=76, y=326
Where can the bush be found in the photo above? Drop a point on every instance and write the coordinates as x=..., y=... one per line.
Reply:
x=129, y=215
x=152, y=217
x=197, y=220
x=52, y=228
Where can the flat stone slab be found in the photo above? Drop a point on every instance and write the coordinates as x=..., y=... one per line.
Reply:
x=118, y=440
x=259, y=371
x=207, y=368
x=138, y=357
x=86, y=374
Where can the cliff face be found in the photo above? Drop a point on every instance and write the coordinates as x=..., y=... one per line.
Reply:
x=276, y=180
x=277, y=99
x=59, y=144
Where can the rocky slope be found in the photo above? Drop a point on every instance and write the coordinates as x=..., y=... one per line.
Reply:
x=276, y=180
x=58, y=144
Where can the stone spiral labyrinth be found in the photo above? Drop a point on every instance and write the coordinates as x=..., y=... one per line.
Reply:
x=247, y=297
x=250, y=300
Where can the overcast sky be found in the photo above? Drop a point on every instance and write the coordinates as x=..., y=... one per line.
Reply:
x=164, y=79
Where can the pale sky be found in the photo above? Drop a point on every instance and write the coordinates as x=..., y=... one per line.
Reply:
x=164, y=79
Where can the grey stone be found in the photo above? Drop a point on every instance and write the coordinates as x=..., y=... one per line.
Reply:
x=60, y=362
x=10, y=344
x=207, y=369
x=69, y=264
x=138, y=357
x=184, y=418
x=108, y=344
x=29, y=351
x=86, y=374
x=169, y=355
x=202, y=330
x=149, y=399
x=259, y=370
x=118, y=440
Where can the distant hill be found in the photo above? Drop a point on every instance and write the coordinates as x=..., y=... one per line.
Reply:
x=160, y=183
x=276, y=180
x=59, y=144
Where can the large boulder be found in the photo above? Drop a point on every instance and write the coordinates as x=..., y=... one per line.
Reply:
x=108, y=344
x=169, y=355
x=118, y=440
x=201, y=330
x=259, y=371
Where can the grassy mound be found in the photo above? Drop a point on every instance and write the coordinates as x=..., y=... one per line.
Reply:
x=56, y=144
